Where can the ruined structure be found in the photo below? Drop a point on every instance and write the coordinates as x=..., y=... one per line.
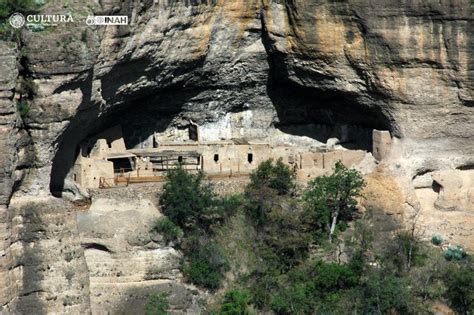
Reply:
x=381, y=144
x=104, y=161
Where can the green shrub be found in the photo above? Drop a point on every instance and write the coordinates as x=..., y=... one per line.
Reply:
x=409, y=251
x=24, y=108
x=29, y=87
x=318, y=287
x=455, y=252
x=186, y=201
x=275, y=175
x=170, y=231
x=262, y=286
x=437, y=239
x=333, y=198
x=360, y=243
x=383, y=293
x=236, y=302
x=206, y=266
x=287, y=236
x=329, y=277
x=227, y=206
x=293, y=300
x=459, y=282
x=157, y=304
x=283, y=236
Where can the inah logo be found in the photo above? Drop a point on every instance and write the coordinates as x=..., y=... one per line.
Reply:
x=17, y=20
x=107, y=20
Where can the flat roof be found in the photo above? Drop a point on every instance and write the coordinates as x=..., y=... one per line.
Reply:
x=119, y=155
x=154, y=153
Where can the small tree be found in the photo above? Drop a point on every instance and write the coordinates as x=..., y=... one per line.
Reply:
x=269, y=184
x=235, y=302
x=330, y=198
x=459, y=282
x=170, y=231
x=206, y=263
x=277, y=176
x=186, y=200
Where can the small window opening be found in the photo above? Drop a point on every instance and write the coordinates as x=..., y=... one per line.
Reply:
x=216, y=158
x=75, y=177
x=180, y=159
x=436, y=187
x=250, y=158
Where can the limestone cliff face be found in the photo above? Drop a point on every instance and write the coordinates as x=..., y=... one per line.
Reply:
x=404, y=66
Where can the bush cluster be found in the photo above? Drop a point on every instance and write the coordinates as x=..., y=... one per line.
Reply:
x=170, y=231
x=455, y=252
x=186, y=200
x=437, y=239
x=206, y=263
x=236, y=302
x=157, y=304
x=399, y=276
x=274, y=175
x=193, y=212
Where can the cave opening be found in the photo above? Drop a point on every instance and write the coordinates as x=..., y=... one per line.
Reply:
x=299, y=112
x=139, y=118
x=97, y=246
x=323, y=114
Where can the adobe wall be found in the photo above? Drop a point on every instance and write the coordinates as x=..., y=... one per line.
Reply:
x=382, y=143
x=87, y=172
x=110, y=140
x=219, y=157
x=233, y=158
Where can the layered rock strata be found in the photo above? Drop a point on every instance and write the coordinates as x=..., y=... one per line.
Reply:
x=401, y=66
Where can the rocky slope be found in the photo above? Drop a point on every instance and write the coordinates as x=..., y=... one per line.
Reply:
x=404, y=66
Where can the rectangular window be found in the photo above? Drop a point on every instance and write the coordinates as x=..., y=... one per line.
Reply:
x=250, y=158
x=216, y=158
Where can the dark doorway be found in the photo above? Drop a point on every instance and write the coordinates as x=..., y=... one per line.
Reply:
x=124, y=164
x=250, y=158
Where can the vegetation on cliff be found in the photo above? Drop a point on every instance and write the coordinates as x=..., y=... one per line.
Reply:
x=308, y=250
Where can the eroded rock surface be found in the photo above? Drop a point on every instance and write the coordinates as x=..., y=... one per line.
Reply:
x=126, y=262
x=47, y=270
x=318, y=68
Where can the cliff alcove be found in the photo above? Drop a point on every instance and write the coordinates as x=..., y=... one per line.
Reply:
x=305, y=80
